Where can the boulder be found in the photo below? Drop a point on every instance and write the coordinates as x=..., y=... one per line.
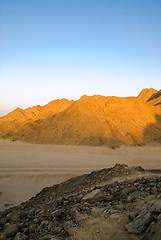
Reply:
x=140, y=223
x=94, y=196
x=11, y=230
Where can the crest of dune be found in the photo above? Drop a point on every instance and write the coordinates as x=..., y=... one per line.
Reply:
x=92, y=120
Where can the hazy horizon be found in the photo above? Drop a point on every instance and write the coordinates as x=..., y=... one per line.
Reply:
x=65, y=49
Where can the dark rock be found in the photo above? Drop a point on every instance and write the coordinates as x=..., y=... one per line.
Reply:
x=36, y=220
x=132, y=215
x=156, y=206
x=51, y=225
x=56, y=213
x=19, y=236
x=130, y=199
x=155, y=231
x=116, y=146
x=32, y=228
x=11, y=230
x=48, y=237
x=26, y=231
x=109, y=198
x=119, y=207
x=127, y=190
x=3, y=221
x=13, y=217
x=58, y=229
x=140, y=223
x=137, y=169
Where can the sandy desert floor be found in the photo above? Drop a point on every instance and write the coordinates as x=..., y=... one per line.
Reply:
x=26, y=168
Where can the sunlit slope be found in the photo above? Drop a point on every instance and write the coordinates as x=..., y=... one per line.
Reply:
x=146, y=93
x=19, y=117
x=95, y=120
x=152, y=97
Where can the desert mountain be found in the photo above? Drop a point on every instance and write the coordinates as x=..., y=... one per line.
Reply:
x=151, y=96
x=155, y=98
x=19, y=117
x=95, y=120
x=146, y=93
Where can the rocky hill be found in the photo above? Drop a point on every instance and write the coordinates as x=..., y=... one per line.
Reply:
x=146, y=93
x=119, y=203
x=95, y=120
x=19, y=117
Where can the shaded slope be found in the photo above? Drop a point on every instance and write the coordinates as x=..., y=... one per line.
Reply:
x=155, y=99
x=155, y=96
x=151, y=96
x=152, y=132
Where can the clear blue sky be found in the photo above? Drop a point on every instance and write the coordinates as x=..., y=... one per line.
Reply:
x=52, y=49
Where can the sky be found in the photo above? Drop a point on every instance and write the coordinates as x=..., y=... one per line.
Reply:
x=53, y=49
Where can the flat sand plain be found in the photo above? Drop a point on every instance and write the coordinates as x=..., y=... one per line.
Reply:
x=27, y=168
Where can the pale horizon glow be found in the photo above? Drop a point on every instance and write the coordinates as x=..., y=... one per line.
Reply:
x=65, y=49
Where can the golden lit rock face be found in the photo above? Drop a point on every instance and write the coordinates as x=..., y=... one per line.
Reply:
x=20, y=117
x=94, y=121
x=146, y=93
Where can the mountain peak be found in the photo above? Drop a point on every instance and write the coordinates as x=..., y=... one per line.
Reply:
x=146, y=93
x=155, y=96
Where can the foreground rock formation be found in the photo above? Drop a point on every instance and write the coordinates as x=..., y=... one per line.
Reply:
x=119, y=203
x=95, y=120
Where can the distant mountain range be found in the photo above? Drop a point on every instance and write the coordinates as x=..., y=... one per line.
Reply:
x=91, y=120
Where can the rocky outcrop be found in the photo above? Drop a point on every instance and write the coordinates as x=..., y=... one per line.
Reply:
x=119, y=203
x=94, y=196
x=146, y=93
